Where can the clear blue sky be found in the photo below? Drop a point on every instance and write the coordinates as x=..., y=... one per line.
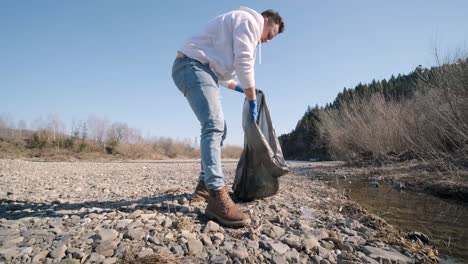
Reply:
x=113, y=58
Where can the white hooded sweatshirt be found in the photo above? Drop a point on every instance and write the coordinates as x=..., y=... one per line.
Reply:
x=228, y=45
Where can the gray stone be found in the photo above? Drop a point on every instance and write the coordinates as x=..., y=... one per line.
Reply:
x=177, y=250
x=219, y=259
x=167, y=222
x=293, y=256
x=25, y=250
x=218, y=236
x=194, y=246
x=70, y=261
x=353, y=224
x=110, y=261
x=378, y=253
x=169, y=236
x=206, y=240
x=108, y=234
x=40, y=256
x=316, y=259
x=293, y=241
x=327, y=244
x=319, y=233
x=310, y=244
x=349, y=232
x=252, y=244
x=7, y=233
x=135, y=233
x=75, y=252
x=278, y=260
x=95, y=258
x=323, y=252
x=279, y=248
x=211, y=227
x=273, y=231
x=154, y=239
x=16, y=240
x=9, y=253
x=134, y=224
x=368, y=260
x=228, y=245
x=189, y=236
x=121, y=224
x=58, y=252
x=135, y=214
x=345, y=247
x=266, y=254
x=334, y=240
x=105, y=246
x=240, y=253
x=145, y=252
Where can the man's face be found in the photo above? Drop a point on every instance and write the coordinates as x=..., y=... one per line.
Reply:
x=270, y=31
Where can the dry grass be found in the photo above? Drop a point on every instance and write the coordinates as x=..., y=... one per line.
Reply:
x=163, y=257
x=433, y=125
x=90, y=150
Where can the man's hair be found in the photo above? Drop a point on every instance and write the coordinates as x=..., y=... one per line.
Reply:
x=274, y=17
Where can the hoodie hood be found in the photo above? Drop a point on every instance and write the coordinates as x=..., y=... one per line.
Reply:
x=258, y=17
x=260, y=20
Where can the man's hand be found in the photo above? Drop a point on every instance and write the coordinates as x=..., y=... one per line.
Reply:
x=253, y=110
x=239, y=88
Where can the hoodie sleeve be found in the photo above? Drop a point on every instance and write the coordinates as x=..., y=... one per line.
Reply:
x=244, y=44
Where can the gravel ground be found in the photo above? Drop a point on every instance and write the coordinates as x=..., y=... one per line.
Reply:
x=120, y=212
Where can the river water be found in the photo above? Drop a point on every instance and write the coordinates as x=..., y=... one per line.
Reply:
x=445, y=222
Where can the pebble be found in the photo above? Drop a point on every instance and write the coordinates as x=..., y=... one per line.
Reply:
x=108, y=234
x=194, y=247
x=211, y=227
x=59, y=252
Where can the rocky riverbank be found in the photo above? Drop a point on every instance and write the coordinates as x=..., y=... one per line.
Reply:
x=118, y=212
x=411, y=175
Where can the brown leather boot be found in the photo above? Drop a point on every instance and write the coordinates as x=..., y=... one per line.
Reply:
x=201, y=193
x=222, y=209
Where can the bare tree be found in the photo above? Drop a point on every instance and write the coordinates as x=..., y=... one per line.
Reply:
x=55, y=126
x=22, y=126
x=118, y=133
x=6, y=125
x=134, y=136
x=97, y=128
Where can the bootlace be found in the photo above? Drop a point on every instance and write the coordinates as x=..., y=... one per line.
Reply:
x=226, y=201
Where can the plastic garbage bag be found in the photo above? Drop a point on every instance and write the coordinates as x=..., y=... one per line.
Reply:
x=261, y=162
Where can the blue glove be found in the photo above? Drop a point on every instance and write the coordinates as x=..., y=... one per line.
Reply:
x=239, y=89
x=253, y=110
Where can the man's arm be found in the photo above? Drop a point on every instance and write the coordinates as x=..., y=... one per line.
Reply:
x=251, y=96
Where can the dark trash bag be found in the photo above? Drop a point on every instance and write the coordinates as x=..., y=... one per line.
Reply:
x=262, y=161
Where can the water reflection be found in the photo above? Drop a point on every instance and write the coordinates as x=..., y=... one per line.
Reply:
x=446, y=223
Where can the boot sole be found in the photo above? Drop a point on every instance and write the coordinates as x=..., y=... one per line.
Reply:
x=238, y=223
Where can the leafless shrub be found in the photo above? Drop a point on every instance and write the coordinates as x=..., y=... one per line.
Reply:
x=94, y=139
x=97, y=128
x=117, y=133
x=433, y=124
x=231, y=152
x=440, y=116
x=364, y=127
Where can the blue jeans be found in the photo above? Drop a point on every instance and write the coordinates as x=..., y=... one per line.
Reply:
x=199, y=85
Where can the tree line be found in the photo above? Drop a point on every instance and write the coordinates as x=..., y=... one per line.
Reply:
x=422, y=115
x=92, y=138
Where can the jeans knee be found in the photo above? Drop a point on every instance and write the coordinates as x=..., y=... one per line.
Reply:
x=214, y=127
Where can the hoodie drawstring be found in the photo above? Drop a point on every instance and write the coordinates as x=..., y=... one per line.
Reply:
x=260, y=53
